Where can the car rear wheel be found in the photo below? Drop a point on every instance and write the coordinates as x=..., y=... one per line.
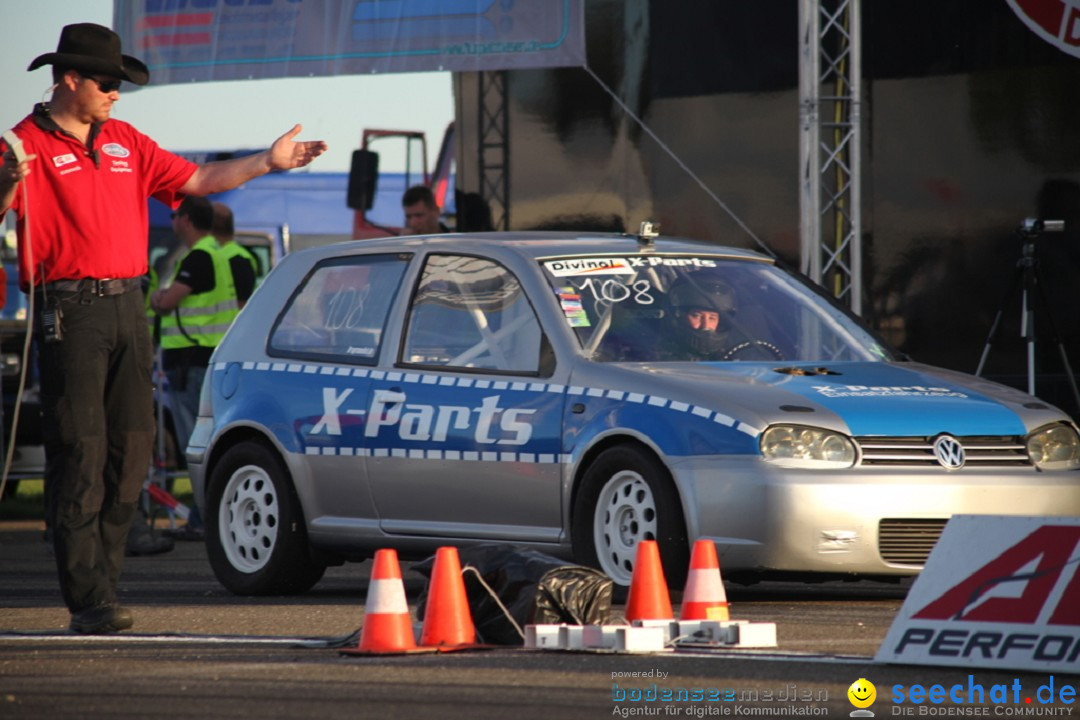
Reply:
x=256, y=538
x=627, y=496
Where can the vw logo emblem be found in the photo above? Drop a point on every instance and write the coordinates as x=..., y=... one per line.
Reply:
x=949, y=452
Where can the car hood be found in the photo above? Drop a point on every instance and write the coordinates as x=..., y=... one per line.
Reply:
x=870, y=398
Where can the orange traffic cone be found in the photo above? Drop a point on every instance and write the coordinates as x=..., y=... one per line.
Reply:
x=648, y=599
x=704, y=597
x=447, y=620
x=387, y=626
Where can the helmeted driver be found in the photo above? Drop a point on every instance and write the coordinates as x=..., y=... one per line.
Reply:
x=699, y=315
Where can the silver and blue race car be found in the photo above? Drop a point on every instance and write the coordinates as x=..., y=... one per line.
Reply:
x=580, y=393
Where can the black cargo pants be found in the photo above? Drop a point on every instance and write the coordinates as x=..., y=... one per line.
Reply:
x=98, y=428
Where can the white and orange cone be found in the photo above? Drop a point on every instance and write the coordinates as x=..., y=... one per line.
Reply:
x=704, y=597
x=387, y=626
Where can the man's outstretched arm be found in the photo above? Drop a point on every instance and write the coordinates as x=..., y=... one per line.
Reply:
x=284, y=154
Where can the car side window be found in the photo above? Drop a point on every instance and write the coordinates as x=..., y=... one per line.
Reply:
x=339, y=311
x=471, y=312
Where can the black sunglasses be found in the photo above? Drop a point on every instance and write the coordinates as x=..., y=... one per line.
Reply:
x=105, y=86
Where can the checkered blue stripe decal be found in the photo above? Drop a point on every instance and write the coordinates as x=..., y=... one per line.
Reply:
x=470, y=382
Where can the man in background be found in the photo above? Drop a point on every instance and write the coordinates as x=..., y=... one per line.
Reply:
x=422, y=212
x=196, y=308
x=244, y=265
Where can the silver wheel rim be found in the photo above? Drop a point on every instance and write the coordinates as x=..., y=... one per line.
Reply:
x=248, y=519
x=625, y=515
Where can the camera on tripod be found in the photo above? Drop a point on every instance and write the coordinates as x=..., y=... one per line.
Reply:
x=1026, y=281
x=1033, y=227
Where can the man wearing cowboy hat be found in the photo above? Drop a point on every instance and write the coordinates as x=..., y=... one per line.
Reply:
x=80, y=198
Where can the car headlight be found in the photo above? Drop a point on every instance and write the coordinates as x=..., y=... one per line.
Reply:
x=1055, y=447
x=798, y=446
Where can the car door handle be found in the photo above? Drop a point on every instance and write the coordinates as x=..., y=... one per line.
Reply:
x=389, y=397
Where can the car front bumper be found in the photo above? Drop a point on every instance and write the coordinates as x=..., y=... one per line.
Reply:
x=857, y=521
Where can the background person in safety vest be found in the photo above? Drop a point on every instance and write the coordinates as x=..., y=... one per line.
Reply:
x=196, y=309
x=244, y=265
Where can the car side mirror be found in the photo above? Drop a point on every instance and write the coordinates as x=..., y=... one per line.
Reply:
x=363, y=180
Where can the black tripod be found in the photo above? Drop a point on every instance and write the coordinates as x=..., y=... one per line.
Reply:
x=1026, y=279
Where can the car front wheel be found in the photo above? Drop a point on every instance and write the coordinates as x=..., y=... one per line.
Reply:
x=256, y=539
x=627, y=496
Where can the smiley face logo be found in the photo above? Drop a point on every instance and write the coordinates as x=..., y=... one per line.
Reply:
x=862, y=693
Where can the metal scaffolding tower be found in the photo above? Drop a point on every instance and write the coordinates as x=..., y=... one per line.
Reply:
x=830, y=77
x=494, y=146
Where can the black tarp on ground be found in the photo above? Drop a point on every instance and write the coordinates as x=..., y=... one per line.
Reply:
x=535, y=588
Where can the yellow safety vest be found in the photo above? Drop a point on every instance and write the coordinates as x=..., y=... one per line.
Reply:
x=201, y=319
x=233, y=249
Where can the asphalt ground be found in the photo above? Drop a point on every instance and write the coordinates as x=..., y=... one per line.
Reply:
x=197, y=651
x=176, y=592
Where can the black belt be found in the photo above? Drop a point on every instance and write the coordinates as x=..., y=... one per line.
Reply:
x=101, y=288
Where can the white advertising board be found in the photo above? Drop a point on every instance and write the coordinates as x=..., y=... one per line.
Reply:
x=997, y=592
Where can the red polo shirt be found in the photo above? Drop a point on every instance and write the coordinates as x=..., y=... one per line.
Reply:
x=87, y=210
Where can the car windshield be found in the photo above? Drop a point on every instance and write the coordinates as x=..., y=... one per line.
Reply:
x=679, y=308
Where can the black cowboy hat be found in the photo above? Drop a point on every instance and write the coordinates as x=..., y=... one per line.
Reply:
x=93, y=48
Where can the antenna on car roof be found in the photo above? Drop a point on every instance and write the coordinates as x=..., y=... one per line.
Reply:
x=647, y=233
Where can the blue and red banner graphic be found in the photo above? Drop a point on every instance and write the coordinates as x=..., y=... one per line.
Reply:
x=204, y=40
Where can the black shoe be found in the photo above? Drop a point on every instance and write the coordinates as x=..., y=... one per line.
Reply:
x=101, y=619
x=142, y=540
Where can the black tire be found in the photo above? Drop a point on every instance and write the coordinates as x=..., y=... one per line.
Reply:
x=256, y=538
x=627, y=496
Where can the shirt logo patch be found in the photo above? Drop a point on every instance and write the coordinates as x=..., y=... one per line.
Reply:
x=62, y=160
x=115, y=150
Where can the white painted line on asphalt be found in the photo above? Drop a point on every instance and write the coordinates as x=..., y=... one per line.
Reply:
x=320, y=643
x=135, y=638
x=778, y=656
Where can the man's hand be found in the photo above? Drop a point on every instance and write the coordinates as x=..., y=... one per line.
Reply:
x=286, y=154
x=15, y=170
x=155, y=300
x=12, y=172
x=165, y=300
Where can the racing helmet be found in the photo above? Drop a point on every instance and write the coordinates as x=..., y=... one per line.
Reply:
x=709, y=293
